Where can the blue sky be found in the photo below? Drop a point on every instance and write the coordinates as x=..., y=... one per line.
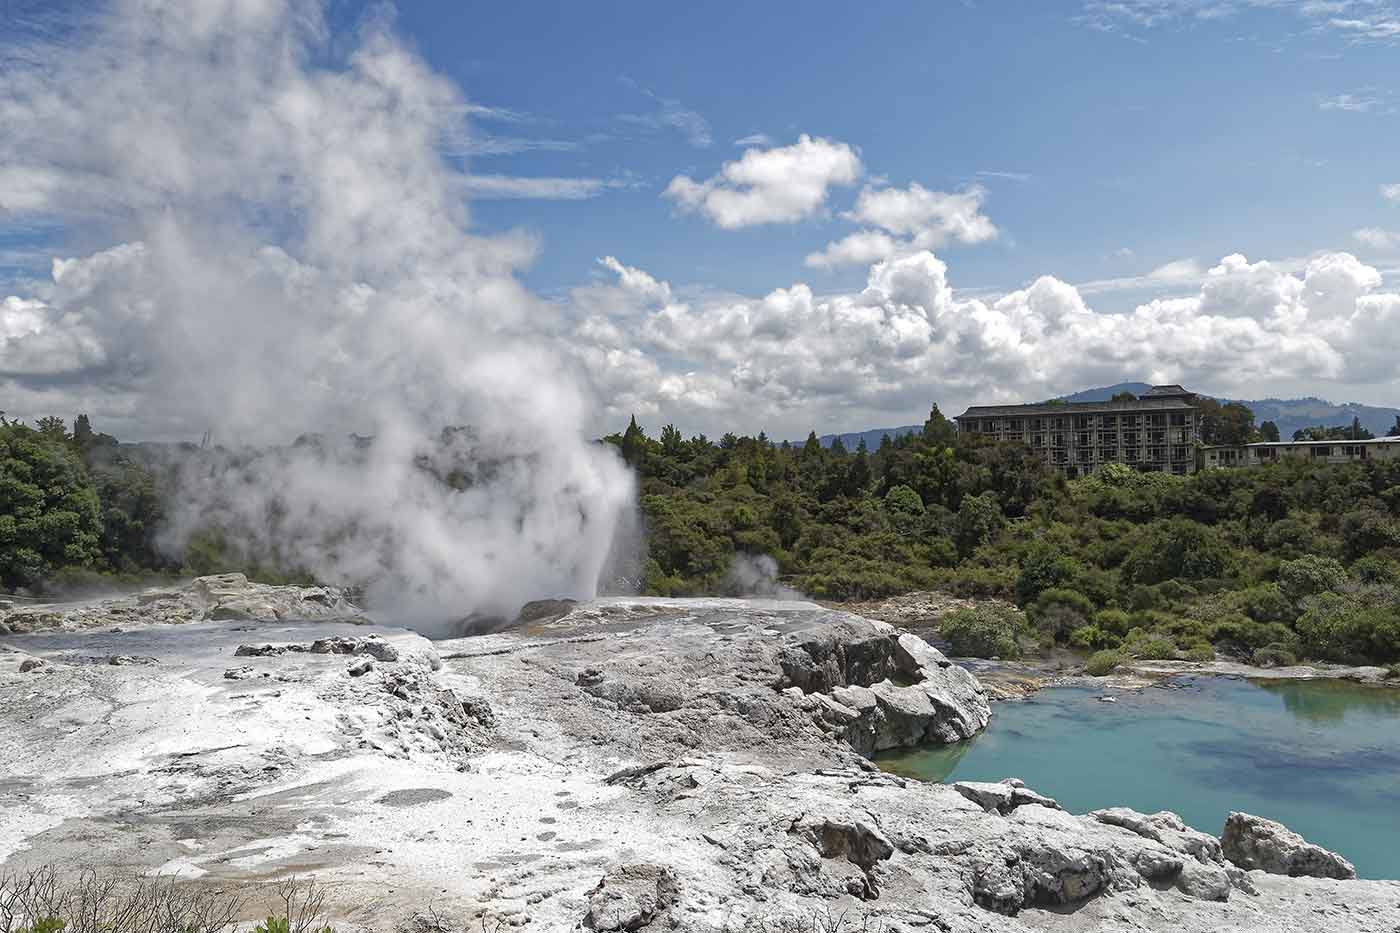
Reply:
x=791, y=217
x=1263, y=130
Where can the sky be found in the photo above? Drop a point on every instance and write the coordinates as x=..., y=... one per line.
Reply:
x=775, y=217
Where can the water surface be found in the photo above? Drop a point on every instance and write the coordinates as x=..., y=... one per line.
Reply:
x=1322, y=757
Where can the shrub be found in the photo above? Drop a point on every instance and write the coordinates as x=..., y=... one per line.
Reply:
x=1112, y=620
x=1373, y=569
x=1243, y=635
x=1392, y=672
x=1044, y=569
x=1058, y=612
x=983, y=632
x=1179, y=549
x=978, y=520
x=1102, y=663
x=1309, y=575
x=1154, y=648
x=1202, y=654
x=1092, y=638
x=1267, y=603
x=1274, y=656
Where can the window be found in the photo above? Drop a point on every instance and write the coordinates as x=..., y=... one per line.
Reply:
x=1037, y=440
x=1084, y=440
x=1037, y=424
x=1178, y=420
x=1084, y=455
x=1057, y=440
x=1108, y=421
x=1082, y=421
x=1322, y=451
x=1014, y=425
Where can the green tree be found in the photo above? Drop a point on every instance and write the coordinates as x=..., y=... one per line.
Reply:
x=1124, y=396
x=634, y=444
x=1268, y=430
x=978, y=520
x=938, y=430
x=50, y=516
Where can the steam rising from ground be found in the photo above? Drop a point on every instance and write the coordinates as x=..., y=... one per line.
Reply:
x=756, y=575
x=283, y=249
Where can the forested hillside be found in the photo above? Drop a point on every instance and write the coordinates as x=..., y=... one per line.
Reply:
x=1278, y=561
x=1268, y=563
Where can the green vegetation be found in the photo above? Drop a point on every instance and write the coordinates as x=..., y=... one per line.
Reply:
x=984, y=632
x=1103, y=663
x=1292, y=558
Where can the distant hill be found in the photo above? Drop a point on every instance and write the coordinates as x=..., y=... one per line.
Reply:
x=1289, y=414
x=871, y=437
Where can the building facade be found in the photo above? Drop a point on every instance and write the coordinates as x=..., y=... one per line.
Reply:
x=1158, y=432
x=1380, y=448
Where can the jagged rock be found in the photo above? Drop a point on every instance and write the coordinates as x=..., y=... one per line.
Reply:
x=259, y=651
x=631, y=897
x=542, y=609
x=239, y=673
x=1207, y=882
x=361, y=667
x=229, y=596
x=1253, y=842
x=994, y=798
x=1002, y=797
x=1164, y=827
x=31, y=664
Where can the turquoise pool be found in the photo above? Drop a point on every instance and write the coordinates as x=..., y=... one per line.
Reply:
x=1321, y=756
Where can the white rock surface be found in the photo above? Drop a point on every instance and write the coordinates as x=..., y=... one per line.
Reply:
x=647, y=764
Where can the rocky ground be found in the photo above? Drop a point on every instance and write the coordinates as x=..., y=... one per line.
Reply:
x=693, y=765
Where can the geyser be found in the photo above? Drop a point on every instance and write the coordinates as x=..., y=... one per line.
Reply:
x=272, y=242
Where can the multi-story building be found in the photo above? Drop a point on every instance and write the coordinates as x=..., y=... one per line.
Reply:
x=1380, y=448
x=1157, y=432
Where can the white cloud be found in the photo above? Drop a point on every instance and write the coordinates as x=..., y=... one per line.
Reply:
x=1177, y=271
x=1350, y=103
x=857, y=249
x=1376, y=238
x=670, y=114
x=929, y=218
x=794, y=359
x=1365, y=20
x=764, y=186
x=510, y=187
x=1124, y=252
x=754, y=139
x=1391, y=193
x=1009, y=176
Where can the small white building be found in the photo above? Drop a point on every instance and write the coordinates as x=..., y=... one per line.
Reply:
x=1380, y=448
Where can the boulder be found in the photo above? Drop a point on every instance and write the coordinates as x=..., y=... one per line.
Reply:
x=1255, y=843
x=1164, y=827
x=31, y=664
x=630, y=897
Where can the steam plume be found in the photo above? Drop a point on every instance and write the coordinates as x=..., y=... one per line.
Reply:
x=277, y=245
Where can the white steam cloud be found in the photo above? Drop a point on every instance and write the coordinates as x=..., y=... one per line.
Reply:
x=277, y=245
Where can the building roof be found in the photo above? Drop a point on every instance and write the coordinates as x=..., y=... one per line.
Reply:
x=1075, y=408
x=1158, y=398
x=1334, y=442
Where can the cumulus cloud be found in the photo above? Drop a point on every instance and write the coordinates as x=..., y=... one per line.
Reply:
x=918, y=218
x=796, y=359
x=1376, y=238
x=766, y=186
x=286, y=250
x=1391, y=193
x=857, y=249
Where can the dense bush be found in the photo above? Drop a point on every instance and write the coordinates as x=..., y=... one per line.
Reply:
x=1102, y=663
x=1274, y=656
x=983, y=632
x=1309, y=575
